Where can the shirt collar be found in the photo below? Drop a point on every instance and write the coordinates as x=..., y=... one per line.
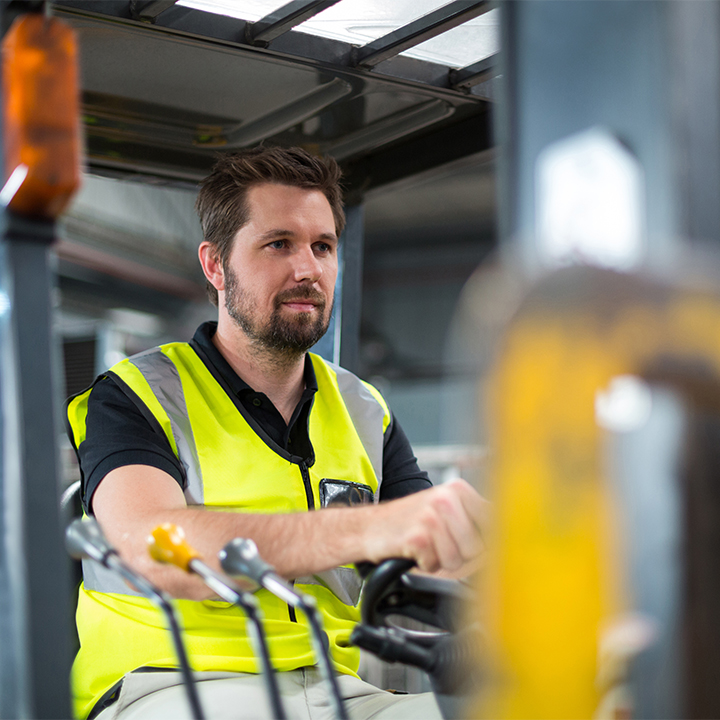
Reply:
x=203, y=337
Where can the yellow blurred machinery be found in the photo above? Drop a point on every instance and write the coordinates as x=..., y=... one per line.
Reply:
x=560, y=593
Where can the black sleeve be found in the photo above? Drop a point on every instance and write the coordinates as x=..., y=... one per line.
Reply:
x=118, y=434
x=401, y=474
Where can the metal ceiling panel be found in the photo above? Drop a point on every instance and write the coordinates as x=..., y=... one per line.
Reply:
x=161, y=98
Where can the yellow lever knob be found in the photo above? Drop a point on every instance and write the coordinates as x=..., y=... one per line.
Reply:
x=167, y=544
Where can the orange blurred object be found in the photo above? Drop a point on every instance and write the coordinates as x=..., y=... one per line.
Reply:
x=167, y=544
x=41, y=116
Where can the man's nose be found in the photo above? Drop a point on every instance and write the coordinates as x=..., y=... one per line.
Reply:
x=306, y=265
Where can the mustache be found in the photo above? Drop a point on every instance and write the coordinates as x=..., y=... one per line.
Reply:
x=300, y=293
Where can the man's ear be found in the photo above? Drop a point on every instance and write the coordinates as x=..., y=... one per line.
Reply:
x=211, y=265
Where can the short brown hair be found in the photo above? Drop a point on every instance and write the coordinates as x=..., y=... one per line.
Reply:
x=222, y=200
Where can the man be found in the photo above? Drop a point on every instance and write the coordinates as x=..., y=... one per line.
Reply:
x=244, y=421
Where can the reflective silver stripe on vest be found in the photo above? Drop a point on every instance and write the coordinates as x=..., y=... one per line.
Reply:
x=344, y=583
x=164, y=380
x=367, y=416
x=97, y=577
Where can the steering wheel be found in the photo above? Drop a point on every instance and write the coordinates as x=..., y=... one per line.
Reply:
x=390, y=589
x=446, y=655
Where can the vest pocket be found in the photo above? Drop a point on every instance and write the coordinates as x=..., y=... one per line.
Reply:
x=343, y=493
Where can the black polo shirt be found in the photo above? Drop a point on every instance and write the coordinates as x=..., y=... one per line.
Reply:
x=118, y=434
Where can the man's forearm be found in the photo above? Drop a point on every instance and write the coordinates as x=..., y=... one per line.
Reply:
x=438, y=528
x=295, y=544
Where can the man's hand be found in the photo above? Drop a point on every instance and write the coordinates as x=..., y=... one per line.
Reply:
x=441, y=529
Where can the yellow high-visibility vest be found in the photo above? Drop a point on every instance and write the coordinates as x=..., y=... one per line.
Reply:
x=227, y=464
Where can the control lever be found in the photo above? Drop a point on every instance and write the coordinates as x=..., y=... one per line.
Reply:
x=167, y=544
x=241, y=557
x=85, y=540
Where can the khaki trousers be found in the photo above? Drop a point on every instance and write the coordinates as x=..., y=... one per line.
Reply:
x=236, y=696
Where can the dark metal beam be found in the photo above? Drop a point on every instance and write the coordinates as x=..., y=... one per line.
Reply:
x=393, y=127
x=134, y=271
x=148, y=10
x=108, y=8
x=283, y=19
x=423, y=152
x=474, y=74
x=294, y=112
x=418, y=31
x=352, y=276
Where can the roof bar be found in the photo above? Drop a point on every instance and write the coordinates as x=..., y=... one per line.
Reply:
x=390, y=128
x=424, y=28
x=283, y=118
x=150, y=9
x=284, y=18
x=474, y=74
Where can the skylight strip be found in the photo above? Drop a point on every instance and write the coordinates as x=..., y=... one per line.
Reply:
x=359, y=22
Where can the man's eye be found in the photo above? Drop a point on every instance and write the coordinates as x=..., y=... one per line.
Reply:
x=277, y=244
x=324, y=248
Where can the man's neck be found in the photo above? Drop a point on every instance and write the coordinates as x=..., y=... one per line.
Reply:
x=279, y=376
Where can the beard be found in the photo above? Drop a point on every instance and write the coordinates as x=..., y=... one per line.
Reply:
x=289, y=336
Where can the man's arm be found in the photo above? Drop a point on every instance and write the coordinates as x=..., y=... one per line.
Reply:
x=439, y=528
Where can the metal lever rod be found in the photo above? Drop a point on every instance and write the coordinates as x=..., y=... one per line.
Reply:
x=167, y=544
x=241, y=557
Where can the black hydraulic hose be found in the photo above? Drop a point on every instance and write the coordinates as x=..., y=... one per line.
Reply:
x=323, y=655
x=454, y=658
x=390, y=645
x=84, y=540
x=241, y=557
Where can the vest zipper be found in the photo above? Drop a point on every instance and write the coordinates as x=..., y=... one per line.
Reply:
x=308, y=486
x=311, y=506
x=291, y=609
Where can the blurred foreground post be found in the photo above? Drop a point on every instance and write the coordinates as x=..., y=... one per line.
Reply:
x=40, y=148
x=609, y=162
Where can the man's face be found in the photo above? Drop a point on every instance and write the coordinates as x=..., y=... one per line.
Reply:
x=280, y=276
